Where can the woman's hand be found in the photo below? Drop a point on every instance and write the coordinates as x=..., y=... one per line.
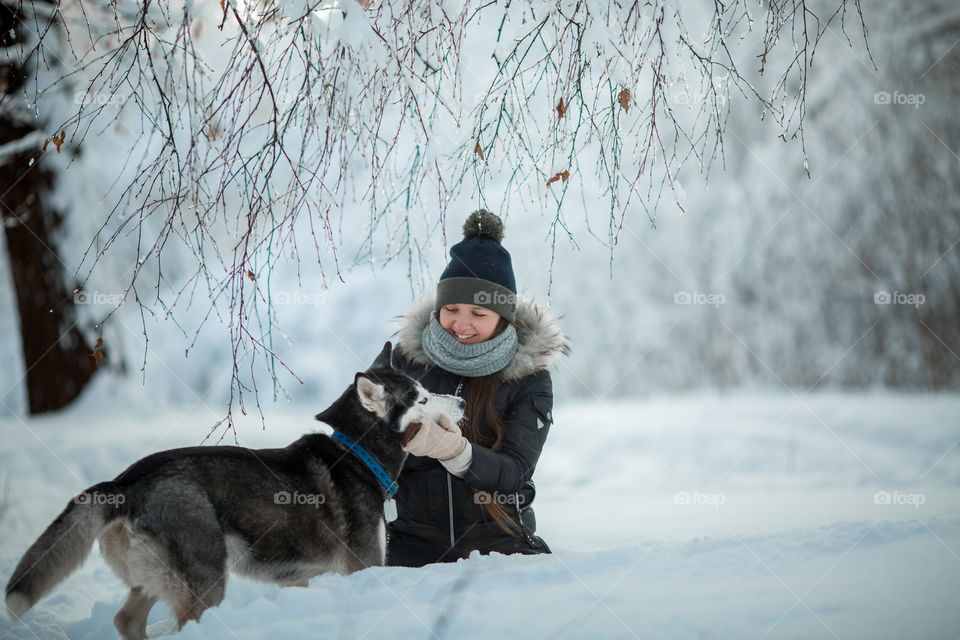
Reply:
x=441, y=440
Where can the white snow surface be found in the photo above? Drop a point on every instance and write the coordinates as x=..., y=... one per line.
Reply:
x=740, y=515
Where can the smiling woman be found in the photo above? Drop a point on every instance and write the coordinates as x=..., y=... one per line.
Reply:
x=470, y=324
x=470, y=486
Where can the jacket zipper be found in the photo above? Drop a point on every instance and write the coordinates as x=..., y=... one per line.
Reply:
x=450, y=507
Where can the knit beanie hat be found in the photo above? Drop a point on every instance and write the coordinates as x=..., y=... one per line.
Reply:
x=480, y=271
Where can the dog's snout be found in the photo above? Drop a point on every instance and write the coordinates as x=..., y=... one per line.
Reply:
x=457, y=402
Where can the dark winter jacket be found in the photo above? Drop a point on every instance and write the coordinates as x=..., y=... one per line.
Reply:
x=439, y=510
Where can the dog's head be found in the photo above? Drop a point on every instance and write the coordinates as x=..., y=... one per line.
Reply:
x=389, y=397
x=399, y=400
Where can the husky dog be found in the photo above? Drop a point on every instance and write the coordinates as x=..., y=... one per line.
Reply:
x=175, y=522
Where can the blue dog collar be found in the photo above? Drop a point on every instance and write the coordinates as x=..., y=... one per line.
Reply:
x=367, y=459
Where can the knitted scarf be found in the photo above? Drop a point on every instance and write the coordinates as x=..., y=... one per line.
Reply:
x=471, y=360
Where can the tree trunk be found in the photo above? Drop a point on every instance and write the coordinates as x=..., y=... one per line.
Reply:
x=57, y=358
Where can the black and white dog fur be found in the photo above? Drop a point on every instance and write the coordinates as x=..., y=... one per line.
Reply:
x=175, y=522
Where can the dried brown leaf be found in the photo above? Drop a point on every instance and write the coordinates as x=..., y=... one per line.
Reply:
x=624, y=99
x=561, y=109
x=96, y=354
x=479, y=150
x=563, y=175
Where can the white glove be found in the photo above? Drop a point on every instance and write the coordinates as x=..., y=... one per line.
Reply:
x=441, y=440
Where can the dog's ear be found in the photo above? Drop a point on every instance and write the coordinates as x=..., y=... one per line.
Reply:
x=383, y=360
x=373, y=396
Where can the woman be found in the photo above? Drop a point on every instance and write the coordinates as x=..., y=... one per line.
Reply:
x=469, y=487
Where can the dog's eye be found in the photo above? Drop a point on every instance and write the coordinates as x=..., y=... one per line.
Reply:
x=422, y=401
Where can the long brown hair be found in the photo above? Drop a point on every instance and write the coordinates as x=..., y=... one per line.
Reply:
x=480, y=395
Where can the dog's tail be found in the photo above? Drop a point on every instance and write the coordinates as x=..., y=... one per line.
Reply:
x=62, y=548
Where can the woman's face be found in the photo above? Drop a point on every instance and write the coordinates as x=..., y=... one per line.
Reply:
x=468, y=323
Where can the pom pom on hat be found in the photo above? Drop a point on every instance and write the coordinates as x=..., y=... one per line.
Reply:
x=483, y=224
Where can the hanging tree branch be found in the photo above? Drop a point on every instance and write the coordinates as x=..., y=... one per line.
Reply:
x=259, y=119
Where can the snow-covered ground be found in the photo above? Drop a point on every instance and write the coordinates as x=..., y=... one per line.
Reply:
x=745, y=515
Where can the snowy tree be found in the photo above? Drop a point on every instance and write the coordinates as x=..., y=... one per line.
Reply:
x=60, y=361
x=249, y=125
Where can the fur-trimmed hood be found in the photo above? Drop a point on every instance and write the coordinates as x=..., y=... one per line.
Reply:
x=540, y=340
